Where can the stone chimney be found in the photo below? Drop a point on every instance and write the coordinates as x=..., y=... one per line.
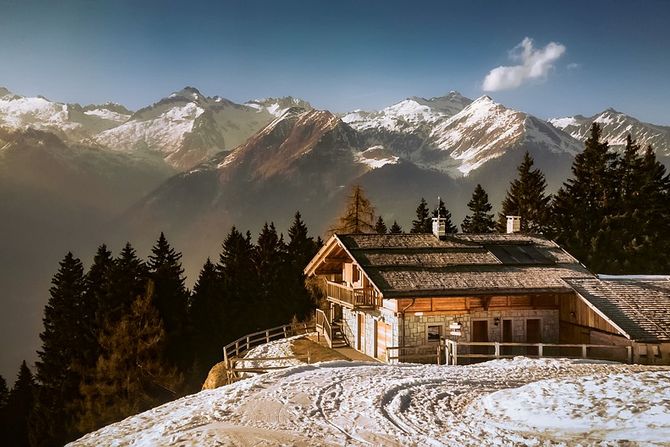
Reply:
x=513, y=224
x=440, y=227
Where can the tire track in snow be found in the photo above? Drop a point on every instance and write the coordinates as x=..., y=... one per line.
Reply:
x=337, y=387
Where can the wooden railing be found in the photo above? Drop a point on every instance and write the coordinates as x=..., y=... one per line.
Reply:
x=351, y=297
x=239, y=347
x=450, y=352
x=323, y=327
x=416, y=354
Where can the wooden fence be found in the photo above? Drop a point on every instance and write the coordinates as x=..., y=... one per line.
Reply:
x=323, y=327
x=236, y=349
x=453, y=353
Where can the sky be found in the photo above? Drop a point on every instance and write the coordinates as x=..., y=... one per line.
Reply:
x=546, y=58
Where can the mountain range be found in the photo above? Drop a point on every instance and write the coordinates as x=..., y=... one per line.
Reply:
x=74, y=176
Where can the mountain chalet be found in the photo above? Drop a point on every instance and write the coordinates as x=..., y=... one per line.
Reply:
x=483, y=296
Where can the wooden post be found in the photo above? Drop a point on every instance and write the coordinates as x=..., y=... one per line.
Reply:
x=237, y=348
x=497, y=349
x=455, y=354
x=305, y=327
x=284, y=328
x=267, y=336
x=247, y=342
x=629, y=353
x=583, y=351
x=540, y=350
x=309, y=357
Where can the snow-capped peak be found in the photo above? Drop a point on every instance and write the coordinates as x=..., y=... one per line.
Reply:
x=277, y=106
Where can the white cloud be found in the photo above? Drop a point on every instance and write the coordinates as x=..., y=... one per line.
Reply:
x=533, y=64
x=573, y=66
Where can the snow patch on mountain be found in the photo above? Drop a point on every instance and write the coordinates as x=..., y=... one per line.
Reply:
x=376, y=156
x=162, y=133
x=19, y=112
x=108, y=115
x=277, y=106
x=615, y=127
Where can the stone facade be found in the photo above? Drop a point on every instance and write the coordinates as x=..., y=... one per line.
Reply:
x=416, y=326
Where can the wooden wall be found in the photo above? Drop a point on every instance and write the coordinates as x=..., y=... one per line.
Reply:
x=577, y=319
x=459, y=305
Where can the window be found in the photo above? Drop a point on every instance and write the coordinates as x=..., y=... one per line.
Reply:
x=356, y=273
x=434, y=333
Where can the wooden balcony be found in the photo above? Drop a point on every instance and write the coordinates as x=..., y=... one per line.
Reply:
x=353, y=298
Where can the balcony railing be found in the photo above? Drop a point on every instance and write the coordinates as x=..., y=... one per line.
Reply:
x=352, y=297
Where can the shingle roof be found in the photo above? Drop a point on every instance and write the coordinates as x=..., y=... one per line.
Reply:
x=641, y=308
x=422, y=265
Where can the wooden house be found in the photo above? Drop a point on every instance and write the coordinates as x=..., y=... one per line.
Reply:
x=401, y=290
x=626, y=311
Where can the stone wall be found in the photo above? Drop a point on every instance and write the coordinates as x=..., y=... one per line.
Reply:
x=416, y=325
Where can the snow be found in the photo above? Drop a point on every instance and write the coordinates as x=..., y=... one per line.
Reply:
x=610, y=405
x=504, y=402
x=636, y=277
x=564, y=122
x=36, y=112
x=376, y=156
x=274, y=349
x=400, y=116
x=163, y=133
x=108, y=115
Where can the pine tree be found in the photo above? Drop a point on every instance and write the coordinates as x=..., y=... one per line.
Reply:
x=210, y=320
x=239, y=282
x=171, y=299
x=422, y=223
x=380, y=226
x=481, y=219
x=653, y=201
x=274, y=306
x=358, y=216
x=395, y=228
x=19, y=405
x=55, y=410
x=129, y=277
x=131, y=373
x=582, y=204
x=442, y=211
x=4, y=423
x=300, y=249
x=526, y=198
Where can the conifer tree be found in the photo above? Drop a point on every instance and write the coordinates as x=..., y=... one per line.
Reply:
x=442, y=211
x=358, y=216
x=171, y=299
x=395, y=228
x=131, y=373
x=239, y=282
x=53, y=421
x=129, y=277
x=210, y=320
x=581, y=205
x=274, y=306
x=300, y=249
x=18, y=408
x=481, y=219
x=380, y=226
x=526, y=198
x=4, y=394
x=422, y=223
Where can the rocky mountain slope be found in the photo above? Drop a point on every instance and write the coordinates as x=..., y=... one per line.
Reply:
x=69, y=121
x=616, y=126
x=455, y=135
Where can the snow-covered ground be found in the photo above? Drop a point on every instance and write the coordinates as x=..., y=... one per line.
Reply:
x=503, y=402
x=273, y=350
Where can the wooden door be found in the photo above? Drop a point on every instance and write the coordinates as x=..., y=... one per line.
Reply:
x=360, y=325
x=383, y=335
x=480, y=332
x=507, y=337
x=533, y=334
